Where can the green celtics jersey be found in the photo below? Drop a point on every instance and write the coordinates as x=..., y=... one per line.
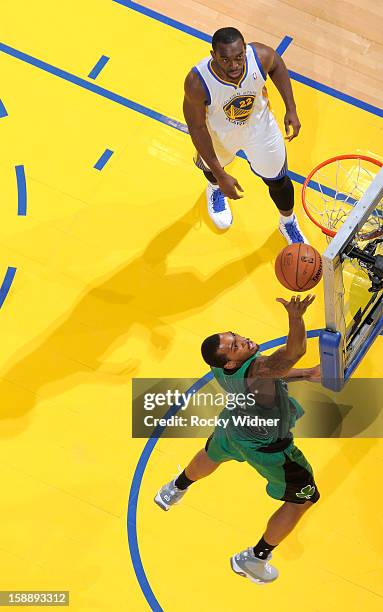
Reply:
x=242, y=424
x=235, y=382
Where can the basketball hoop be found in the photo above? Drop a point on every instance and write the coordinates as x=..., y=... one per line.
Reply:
x=333, y=188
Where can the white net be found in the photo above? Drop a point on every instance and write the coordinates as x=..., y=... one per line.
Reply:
x=334, y=190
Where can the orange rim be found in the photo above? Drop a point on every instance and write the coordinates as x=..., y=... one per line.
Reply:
x=325, y=230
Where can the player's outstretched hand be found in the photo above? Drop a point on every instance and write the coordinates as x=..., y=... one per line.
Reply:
x=314, y=374
x=295, y=307
x=229, y=185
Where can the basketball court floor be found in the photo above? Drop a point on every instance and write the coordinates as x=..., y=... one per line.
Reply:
x=115, y=271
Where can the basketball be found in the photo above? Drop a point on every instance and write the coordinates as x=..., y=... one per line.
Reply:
x=298, y=267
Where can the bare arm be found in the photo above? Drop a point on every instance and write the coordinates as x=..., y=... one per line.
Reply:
x=274, y=65
x=279, y=364
x=194, y=108
x=309, y=374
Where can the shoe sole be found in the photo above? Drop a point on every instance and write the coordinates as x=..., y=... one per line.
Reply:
x=222, y=229
x=160, y=503
x=237, y=570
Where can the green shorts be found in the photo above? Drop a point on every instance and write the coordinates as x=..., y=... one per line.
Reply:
x=288, y=473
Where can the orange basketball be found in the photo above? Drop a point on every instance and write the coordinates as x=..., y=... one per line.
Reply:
x=298, y=267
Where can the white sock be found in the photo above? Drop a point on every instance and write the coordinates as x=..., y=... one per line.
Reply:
x=287, y=219
x=213, y=185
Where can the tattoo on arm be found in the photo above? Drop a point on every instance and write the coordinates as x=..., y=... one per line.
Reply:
x=275, y=366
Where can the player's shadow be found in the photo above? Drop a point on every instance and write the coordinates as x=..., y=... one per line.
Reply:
x=335, y=415
x=146, y=292
x=329, y=479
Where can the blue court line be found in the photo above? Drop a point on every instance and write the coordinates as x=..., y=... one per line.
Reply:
x=139, y=472
x=337, y=195
x=375, y=110
x=21, y=191
x=139, y=108
x=335, y=93
x=3, y=112
x=6, y=285
x=139, y=8
x=103, y=159
x=90, y=86
x=98, y=67
x=285, y=42
x=163, y=19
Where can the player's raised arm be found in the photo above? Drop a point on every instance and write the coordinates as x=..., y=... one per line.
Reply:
x=194, y=108
x=309, y=374
x=280, y=363
x=274, y=65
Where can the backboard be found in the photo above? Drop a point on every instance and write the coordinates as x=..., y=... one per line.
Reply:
x=352, y=267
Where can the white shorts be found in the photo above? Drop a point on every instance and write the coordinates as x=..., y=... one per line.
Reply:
x=262, y=144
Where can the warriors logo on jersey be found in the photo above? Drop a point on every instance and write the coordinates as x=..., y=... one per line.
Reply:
x=239, y=108
x=233, y=107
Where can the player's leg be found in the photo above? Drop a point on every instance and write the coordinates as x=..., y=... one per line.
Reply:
x=217, y=204
x=290, y=479
x=266, y=154
x=201, y=465
x=281, y=191
x=282, y=522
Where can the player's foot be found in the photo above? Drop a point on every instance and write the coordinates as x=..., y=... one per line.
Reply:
x=169, y=495
x=292, y=232
x=218, y=207
x=246, y=564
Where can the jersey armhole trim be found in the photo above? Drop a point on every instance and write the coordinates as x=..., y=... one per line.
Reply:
x=245, y=375
x=258, y=62
x=204, y=85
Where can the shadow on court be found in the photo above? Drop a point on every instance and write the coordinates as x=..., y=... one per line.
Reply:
x=145, y=292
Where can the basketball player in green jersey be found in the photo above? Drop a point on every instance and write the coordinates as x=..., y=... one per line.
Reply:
x=240, y=368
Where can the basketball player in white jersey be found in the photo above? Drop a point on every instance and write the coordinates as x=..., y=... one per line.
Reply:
x=226, y=109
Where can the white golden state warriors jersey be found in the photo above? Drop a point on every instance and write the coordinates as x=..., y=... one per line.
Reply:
x=233, y=108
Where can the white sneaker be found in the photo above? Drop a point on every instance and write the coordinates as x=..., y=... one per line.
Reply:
x=218, y=207
x=257, y=570
x=169, y=495
x=292, y=232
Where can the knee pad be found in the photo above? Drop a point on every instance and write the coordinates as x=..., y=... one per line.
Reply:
x=277, y=184
x=281, y=192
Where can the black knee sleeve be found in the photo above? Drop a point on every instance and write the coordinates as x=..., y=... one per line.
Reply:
x=281, y=192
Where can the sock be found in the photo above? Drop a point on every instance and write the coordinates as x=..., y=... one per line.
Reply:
x=213, y=185
x=183, y=482
x=262, y=549
x=287, y=219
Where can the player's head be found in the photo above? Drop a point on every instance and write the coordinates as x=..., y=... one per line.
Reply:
x=229, y=51
x=227, y=350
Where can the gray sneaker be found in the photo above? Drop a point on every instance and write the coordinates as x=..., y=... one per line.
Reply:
x=248, y=565
x=169, y=495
